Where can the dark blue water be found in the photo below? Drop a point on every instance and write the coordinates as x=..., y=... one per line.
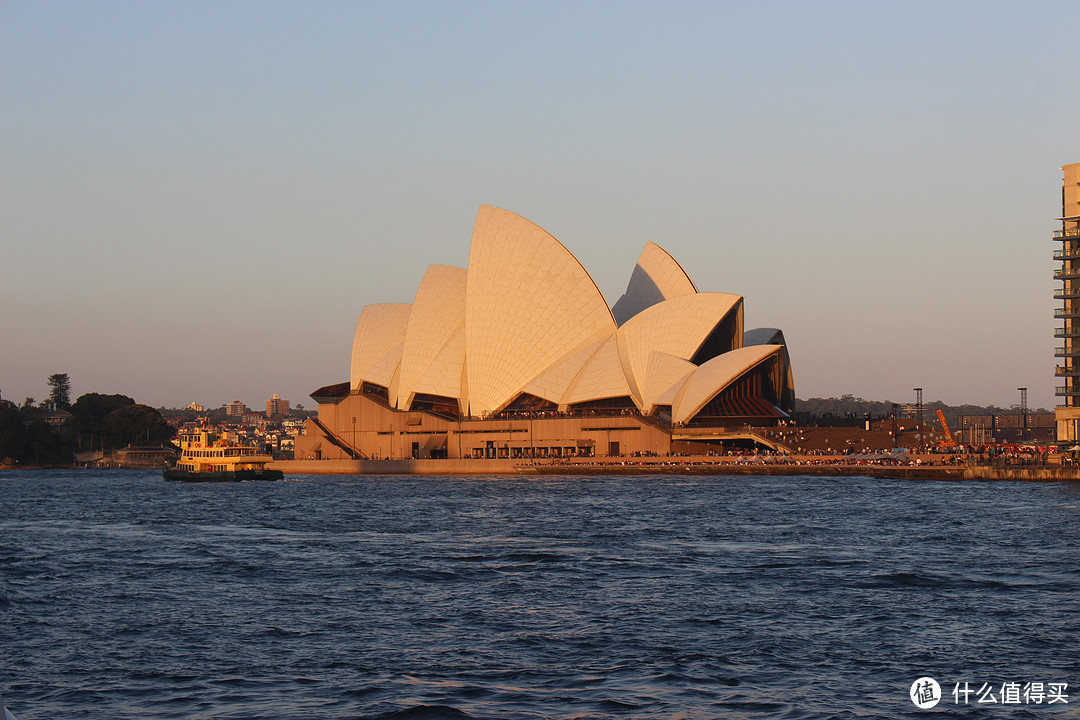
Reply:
x=124, y=596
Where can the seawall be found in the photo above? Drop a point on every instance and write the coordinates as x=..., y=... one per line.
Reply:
x=832, y=467
x=397, y=467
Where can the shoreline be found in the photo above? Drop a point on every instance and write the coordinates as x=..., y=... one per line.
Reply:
x=930, y=467
x=692, y=466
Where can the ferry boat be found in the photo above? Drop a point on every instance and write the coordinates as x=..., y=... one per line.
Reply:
x=205, y=457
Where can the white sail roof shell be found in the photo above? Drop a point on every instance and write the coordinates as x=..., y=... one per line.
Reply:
x=528, y=300
x=664, y=377
x=553, y=383
x=656, y=277
x=713, y=377
x=602, y=377
x=431, y=362
x=764, y=336
x=443, y=376
x=677, y=327
x=378, y=342
x=527, y=317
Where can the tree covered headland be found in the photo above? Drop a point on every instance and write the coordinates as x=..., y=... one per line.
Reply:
x=851, y=410
x=43, y=435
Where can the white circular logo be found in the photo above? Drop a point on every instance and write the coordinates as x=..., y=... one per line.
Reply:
x=925, y=693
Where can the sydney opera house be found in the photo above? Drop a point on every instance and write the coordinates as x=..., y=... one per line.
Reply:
x=520, y=356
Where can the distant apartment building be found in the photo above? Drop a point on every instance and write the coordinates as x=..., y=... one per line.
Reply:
x=236, y=409
x=195, y=406
x=276, y=406
x=1068, y=353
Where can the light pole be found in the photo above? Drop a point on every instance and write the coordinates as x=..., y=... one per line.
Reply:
x=1023, y=411
x=918, y=410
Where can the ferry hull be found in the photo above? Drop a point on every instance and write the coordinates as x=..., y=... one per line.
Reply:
x=221, y=476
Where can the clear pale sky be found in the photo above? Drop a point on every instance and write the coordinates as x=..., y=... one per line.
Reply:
x=198, y=199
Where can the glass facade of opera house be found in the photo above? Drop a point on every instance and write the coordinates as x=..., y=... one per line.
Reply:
x=519, y=356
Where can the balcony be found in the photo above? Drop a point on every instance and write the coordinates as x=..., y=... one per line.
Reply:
x=1067, y=233
x=1063, y=371
x=1066, y=392
x=1070, y=254
x=1065, y=313
x=1066, y=332
x=1065, y=293
x=1067, y=273
x=1073, y=351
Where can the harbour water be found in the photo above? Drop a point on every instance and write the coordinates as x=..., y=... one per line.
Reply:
x=334, y=597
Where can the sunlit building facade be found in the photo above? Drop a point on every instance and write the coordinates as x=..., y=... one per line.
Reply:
x=1068, y=313
x=276, y=406
x=520, y=356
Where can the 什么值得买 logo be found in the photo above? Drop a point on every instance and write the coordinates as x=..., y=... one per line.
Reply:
x=925, y=693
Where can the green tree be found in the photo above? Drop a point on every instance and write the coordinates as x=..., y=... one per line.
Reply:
x=25, y=438
x=60, y=394
x=13, y=435
x=136, y=425
x=90, y=411
x=46, y=445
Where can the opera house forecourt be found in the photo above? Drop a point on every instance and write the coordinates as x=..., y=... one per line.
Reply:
x=519, y=357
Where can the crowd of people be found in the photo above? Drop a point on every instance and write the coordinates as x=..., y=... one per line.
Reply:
x=1019, y=456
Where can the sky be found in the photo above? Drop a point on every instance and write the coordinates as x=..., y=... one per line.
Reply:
x=198, y=199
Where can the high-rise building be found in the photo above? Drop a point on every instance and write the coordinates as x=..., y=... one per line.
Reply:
x=276, y=406
x=235, y=409
x=1068, y=354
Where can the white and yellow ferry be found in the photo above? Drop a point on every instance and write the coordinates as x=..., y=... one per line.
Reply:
x=205, y=457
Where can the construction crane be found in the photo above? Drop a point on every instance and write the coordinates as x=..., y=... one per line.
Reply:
x=949, y=440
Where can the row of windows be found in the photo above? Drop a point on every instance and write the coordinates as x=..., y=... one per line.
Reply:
x=206, y=468
x=231, y=452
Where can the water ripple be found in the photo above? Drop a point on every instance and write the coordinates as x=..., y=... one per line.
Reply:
x=349, y=597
